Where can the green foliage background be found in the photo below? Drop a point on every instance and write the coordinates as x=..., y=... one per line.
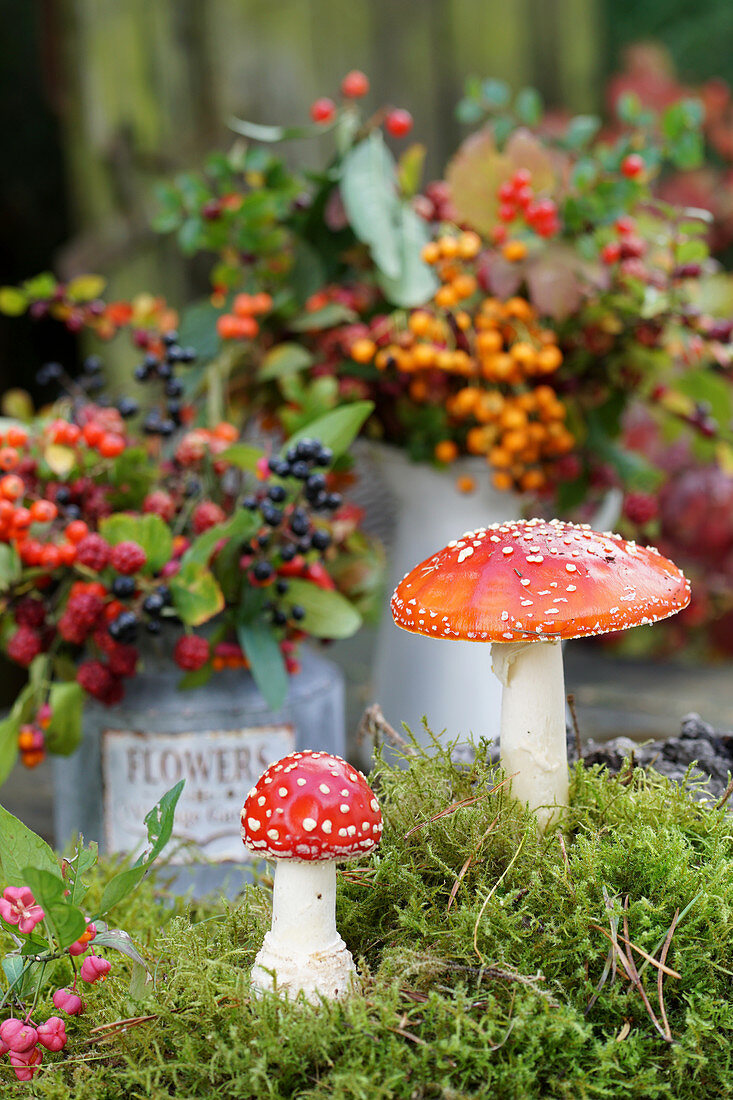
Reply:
x=485, y=997
x=696, y=32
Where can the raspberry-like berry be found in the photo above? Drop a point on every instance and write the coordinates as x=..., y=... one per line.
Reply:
x=398, y=122
x=127, y=557
x=323, y=110
x=122, y=659
x=82, y=614
x=206, y=515
x=93, y=552
x=191, y=652
x=355, y=84
x=640, y=508
x=99, y=682
x=160, y=503
x=30, y=612
x=24, y=645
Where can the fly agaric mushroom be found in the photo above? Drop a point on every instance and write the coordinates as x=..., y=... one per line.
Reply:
x=524, y=586
x=308, y=811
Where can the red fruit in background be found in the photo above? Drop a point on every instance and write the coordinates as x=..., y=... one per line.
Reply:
x=355, y=84
x=191, y=652
x=122, y=660
x=98, y=681
x=398, y=122
x=82, y=614
x=24, y=645
x=640, y=508
x=319, y=575
x=697, y=513
x=67, y=1002
x=632, y=166
x=205, y=515
x=93, y=551
x=611, y=252
x=127, y=557
x=323, y=110
x=29, y=612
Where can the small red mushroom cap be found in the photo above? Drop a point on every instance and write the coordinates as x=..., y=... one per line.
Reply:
x=311, y=806
x=525, y=579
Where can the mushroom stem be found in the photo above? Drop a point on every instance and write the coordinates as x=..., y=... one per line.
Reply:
x=303, y=950
x=533, y=738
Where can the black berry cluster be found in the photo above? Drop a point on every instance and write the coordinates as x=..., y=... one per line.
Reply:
x=164, y=420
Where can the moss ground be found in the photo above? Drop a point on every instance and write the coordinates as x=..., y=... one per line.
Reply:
x=480, y=946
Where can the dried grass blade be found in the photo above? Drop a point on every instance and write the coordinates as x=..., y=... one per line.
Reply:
x=682, y=916
x=660, y=977
x=491, y=893
x=461, y=874
x=408, y=1035
x=650, y=959
x=635, y=974
x=606, y=970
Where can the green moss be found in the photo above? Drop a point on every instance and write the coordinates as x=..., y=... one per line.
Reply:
x=484, y=996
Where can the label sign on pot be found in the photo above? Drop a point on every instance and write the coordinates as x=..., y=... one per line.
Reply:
x=219, y=767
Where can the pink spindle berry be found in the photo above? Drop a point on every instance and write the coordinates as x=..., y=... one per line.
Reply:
x=25, y=1065
x=52, y=1035
x=82, y=944
x=18, y=906
x=95, y=969
x=67, y=1001
x=18, y=1036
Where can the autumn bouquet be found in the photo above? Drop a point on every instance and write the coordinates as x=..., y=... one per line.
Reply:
x=126, y=520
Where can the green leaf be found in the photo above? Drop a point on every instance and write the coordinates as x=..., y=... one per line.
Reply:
x=196, y=595
x=66, y=921
x=369, y=195
x=20, y=847
x=416, y=282
x=327, y=317
x=712, y=389
x=688, y=151
x=581, y=130
x=628, y=107
x=121, y=941
x=336, y=429
x=196, y=678
x=9, y=730
x=273, y=134
x=149, y=531
x=138, y=982
x=495, y=93
x=198, y=329
x=266, y=662
x=287, y=358
x=469, y=111
x=328, y=614
x=410, y=169
x=160, y=827
x=86, y=287
x=528, y=106
x=13, y=302
x=242, y=455
x=10, y=566
x=242, y=525
x=63, y=735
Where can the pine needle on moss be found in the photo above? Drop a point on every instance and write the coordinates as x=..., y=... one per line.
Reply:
x=484, y=973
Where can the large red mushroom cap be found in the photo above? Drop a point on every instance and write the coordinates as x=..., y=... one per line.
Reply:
x=525, y=579
x=311, y=806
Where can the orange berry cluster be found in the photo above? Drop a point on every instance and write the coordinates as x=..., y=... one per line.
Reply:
x=495, y=356
x=240, y=324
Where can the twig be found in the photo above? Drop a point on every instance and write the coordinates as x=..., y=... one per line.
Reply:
x=726, y=795
x=374, y=725
x=634, y=974
x=491, y=893
x=576, y=728
x=407, y=1035
x=464, y=802
x=660, y=978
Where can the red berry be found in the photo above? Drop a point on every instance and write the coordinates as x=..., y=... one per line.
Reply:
x=624, y=225
x=398, y=122
x=24, y=645
x=93, y=552
x=507, y=212
x=632, y=166
x=521, y=178
x=98, y=681
x=206, y=515
x=76, y=531
x=355, y=84
x=30, y=612
x=43, y=511
x=506, y=192
x=127, y=557
x=523, y=197
x=111, y=445
x=50, y=557
x=323, y=110
x=640, y=508
x=191, y=652
x=82, y=614
x=611, y=252
x=160, y=503
x=122, y=659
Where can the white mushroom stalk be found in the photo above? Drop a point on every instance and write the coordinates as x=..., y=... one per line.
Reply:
x=303, y=952
x=524, y=586
x=308, y=811
x=533, y=738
